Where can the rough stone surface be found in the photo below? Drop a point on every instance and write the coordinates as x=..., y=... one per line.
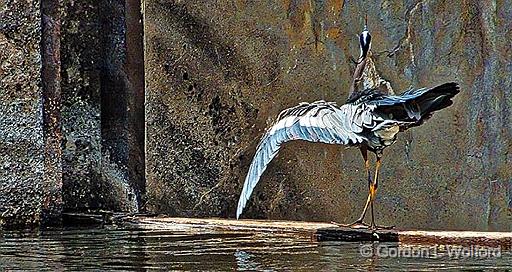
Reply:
x=21, y=130
x=95, y=90
x=71, y=109
x=218, y=73
x=80, y=51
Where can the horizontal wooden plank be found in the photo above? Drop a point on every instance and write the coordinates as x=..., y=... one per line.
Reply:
x=322, y=231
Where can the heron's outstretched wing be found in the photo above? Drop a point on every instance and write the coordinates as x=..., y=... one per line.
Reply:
x=415, y=106
x=315, y=122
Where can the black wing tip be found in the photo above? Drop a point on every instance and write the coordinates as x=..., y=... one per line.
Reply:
x=452, y=88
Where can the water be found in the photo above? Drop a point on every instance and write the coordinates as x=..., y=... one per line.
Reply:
x=140, y=250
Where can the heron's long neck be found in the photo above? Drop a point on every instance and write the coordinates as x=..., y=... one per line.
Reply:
x=355, y=90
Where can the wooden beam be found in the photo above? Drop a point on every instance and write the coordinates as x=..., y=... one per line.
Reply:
x=320, y=231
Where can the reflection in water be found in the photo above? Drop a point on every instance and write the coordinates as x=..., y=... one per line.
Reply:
x=121, y=249
x=244, y=262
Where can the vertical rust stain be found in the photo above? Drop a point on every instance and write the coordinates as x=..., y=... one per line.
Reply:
x=134, y=68
x=50, y=55
x=298, y=25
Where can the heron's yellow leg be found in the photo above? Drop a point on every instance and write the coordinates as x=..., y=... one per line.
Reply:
x=373, y=192
x=373, y=188
x=368, y=172
x=374, y=184
x=359, y=221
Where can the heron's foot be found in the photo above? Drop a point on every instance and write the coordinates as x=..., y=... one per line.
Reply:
x=377, y=227
x=358, y=224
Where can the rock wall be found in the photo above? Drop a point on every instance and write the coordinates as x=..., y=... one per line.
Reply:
x=218, y=73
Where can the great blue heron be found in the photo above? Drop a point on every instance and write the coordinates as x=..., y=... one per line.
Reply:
x=369, y=120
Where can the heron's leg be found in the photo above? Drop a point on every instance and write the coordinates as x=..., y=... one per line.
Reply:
x=373, y=187
x=373, y=191
x=364, y=152
x=359, y=221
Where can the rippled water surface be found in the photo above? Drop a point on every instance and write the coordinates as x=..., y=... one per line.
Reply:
x=115, y=249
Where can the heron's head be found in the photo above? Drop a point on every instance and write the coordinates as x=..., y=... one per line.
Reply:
x=365, y=42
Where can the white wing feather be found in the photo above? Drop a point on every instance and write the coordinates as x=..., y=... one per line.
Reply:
x=316, y=122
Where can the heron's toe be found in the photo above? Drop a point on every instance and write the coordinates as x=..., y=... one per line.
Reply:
x=355, y=225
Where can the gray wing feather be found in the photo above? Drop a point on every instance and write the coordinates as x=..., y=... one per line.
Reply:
x=316, y=122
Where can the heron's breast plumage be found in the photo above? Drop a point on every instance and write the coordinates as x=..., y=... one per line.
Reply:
x=387, y=135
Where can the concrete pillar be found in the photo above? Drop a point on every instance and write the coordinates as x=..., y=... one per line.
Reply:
x=98, y=92
x=26, y=189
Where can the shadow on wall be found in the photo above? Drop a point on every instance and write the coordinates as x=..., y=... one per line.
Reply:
x=102, y=93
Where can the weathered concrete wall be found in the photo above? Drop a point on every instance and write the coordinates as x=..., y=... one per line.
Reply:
x=95, y=95
x=22, y=189
x=64, y=129
x=71, y=110
x=81, y=126
x=217, y=74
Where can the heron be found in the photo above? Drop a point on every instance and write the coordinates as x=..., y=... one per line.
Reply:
x=369, y=120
